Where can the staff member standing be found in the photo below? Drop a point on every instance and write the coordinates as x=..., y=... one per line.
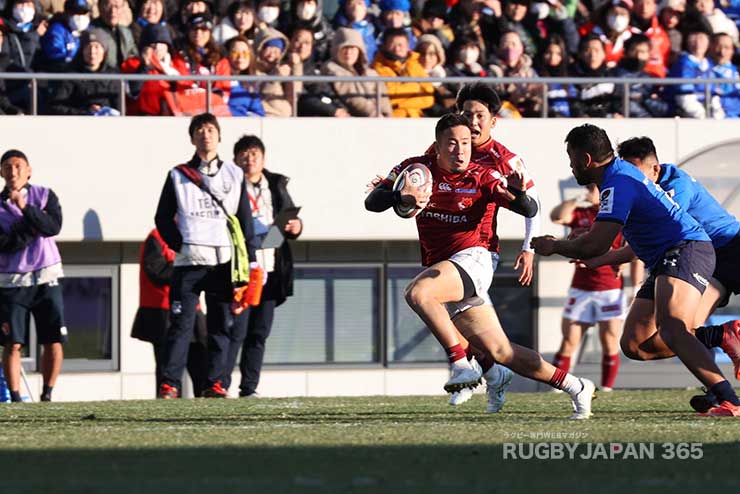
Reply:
x=268, y=196
x=194, y=225
x=30, y=268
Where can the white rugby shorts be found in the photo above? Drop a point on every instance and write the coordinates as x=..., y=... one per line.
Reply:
x=477, y=263
x=593, y=306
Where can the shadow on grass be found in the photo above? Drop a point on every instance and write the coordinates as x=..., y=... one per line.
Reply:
x=360, y=469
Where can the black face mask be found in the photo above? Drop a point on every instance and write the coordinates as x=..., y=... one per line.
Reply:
x=391, y=56
x=633, y=64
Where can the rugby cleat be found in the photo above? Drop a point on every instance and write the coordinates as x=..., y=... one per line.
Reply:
x=167, y=392
x=215, y=391
x=582, y=401
x=724, y=409
x=731, y=344
x=703, y=403
x=459, y=397
x=496, y=388
x=463, y=377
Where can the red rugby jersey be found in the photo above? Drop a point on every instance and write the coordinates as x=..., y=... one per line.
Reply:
x=453, y=220
x=603, y=277
x=495, y=155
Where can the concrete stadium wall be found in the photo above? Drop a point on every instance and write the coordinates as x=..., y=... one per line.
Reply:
x=108, y=173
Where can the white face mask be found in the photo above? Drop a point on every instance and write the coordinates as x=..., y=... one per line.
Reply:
x=23, y=14
x=268, y=15
x=469, y=56
x=79, y=22
x=617, y=23
x=306, y=11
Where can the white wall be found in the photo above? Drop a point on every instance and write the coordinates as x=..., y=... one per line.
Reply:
x=115, y=167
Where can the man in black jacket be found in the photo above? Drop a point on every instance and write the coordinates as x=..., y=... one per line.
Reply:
x=268, y=196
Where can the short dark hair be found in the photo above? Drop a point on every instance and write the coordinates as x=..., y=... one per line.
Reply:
x=592, y=140
x=634, y=40
x=246, y=142
x=199, y=121
x=393, y=32
x=13, y=153
x=637, y=147
x=478, y=91
x=589, y=38
x=449, y=121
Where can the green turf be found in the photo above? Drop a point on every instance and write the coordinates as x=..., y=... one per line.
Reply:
x=355, y=445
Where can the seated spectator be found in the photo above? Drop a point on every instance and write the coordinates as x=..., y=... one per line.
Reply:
x=244, y=100
x=693, y=63
x=6, y=106
x=239, y=21
x=471, y=18
x=553, y=62
x=433, y=21
x=62, y=40
x=309, y=15
x=88, y=97
x=348, y=58
x=516, y=17
x=554, y=18
x=396, y=14
x=201, y=53
x=157, y=56
x=408, y=99
x=466, y=59
x=268, y=12
x=511, y=61
x=611, y=23
x=722, y=50
x=717, y=19
x=593, y=100
x=645, y=20
x=24, y=27
x=646, y=100
x=731, y=8
x=316, y=99
x=353, y=14
x=670, y=14
x=432, y=58
x=150, y=12
x=277, y=97
x=123, y=45
x=188, y=9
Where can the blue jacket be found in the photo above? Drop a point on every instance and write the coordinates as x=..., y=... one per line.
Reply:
x=688, y=67
x=245, y=101
x=59, y=44
x=729, y=94
x=366, y=28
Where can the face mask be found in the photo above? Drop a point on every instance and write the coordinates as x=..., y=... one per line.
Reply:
x=79, y=22
x=633, y=64
x=306, y=11
x=511, y=55
x=469, y=56
x=617, y=23
x=23, y=14
x=268, y=15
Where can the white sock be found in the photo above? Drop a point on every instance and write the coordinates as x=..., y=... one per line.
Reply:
x=572, y=385
x=461, y=364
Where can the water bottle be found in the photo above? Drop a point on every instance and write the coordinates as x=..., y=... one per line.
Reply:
x=4, y=391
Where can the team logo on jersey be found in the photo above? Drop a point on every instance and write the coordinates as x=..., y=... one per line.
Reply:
x=702, y=280
x=606, y=201
x=444, y=187
x=465, y=203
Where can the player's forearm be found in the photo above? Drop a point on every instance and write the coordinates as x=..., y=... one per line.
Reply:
x=563, y=212
x=522, y=203
x=583, y=247
x=381, y=199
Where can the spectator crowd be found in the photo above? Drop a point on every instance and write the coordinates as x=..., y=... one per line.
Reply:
x=641, y=39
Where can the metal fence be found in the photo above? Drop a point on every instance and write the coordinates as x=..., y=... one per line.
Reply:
x=545, y=82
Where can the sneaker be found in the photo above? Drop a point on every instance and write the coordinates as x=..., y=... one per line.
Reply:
x=463, y=377
x=460, y=397
x=703, y=403
x=167, y=392
x=45, y=397
x=215, y=391
x=253, y=394
x=724, y=409
x=731, y=344
x=496, y=388
x=582, y=401
x=606, y=389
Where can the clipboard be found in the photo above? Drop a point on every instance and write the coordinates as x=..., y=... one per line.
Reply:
x=275, y=237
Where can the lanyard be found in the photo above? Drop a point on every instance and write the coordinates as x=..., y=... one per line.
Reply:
x=254, y=201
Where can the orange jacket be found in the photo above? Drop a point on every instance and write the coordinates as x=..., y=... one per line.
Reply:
x=408, y=99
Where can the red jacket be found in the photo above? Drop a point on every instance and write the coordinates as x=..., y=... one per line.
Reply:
x=151, y=95
x=156, y=261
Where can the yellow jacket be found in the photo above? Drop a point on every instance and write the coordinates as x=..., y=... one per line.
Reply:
x=408, y=99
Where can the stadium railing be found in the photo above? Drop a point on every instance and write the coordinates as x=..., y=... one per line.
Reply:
x=122, y=79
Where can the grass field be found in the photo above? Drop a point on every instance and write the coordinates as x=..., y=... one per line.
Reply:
x=356, y=445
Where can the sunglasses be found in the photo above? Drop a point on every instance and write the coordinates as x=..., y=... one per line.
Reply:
x=240, y=54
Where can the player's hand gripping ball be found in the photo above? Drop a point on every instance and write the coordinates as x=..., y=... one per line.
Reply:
x=414, y=182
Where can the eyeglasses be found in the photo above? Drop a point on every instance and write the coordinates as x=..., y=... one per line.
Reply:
x=240, y=54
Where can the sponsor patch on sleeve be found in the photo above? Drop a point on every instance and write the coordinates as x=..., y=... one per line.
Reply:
x=606, y=201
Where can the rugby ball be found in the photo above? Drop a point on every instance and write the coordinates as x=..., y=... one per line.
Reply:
x=420, y=176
